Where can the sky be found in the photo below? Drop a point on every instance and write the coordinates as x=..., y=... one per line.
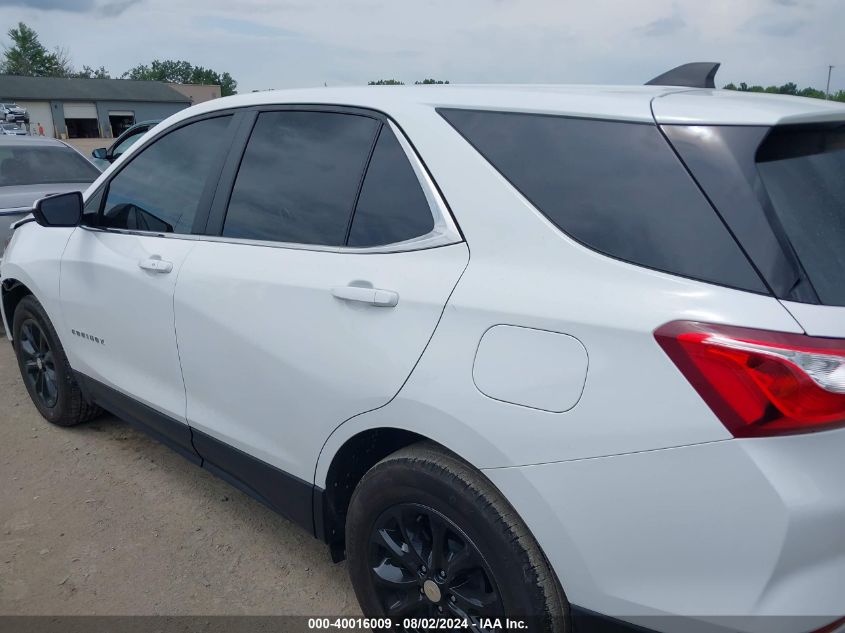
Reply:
x=297, y=43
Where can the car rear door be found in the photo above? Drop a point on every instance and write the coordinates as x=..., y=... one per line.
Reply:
x=316, y=293
x=119, y=272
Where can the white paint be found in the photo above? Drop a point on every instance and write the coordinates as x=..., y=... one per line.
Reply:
x=531, y=368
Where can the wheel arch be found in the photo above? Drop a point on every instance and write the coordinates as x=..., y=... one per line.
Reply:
x=361, y=442
x=12, y=292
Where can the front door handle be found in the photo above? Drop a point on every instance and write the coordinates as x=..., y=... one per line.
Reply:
x=155, y=264
x=372, y=296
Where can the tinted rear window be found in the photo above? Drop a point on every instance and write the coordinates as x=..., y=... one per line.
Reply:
x=27, y=165
x=803, y=171
x=392, y=206
x=299, y=177
x=616, y=187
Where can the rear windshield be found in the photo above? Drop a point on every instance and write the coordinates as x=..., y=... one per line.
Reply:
x=27, y=165
x=614, y=186
x=803, y=171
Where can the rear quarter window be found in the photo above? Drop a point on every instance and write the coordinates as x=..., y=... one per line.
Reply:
x=616, y=187
x=803, y=171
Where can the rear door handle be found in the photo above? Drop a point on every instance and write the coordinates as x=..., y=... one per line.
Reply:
x=372, y=296
x=156, y=264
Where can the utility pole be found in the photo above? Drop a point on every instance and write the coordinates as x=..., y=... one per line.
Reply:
x=827, y=91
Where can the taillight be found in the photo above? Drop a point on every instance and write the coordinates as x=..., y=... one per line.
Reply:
x=760, y=382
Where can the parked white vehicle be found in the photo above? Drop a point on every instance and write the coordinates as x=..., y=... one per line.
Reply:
x=573, y=354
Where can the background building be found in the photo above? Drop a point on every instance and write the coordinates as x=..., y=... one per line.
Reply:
x=90, y=108
x=197, y=93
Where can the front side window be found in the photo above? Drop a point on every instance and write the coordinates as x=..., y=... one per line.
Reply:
x=299, y=177
x=160, y=189
x=616, y=187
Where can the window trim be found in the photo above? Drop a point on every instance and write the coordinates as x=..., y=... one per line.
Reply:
x=445, y=232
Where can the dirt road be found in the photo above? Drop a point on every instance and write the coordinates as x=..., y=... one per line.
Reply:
x=99, y=519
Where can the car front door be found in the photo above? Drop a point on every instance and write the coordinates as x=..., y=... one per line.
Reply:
x=332, y=264
x=119, y=272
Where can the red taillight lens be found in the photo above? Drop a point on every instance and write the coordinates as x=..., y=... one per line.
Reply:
x=760, y=382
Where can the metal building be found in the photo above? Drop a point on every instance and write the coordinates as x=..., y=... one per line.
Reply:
x=89, y=108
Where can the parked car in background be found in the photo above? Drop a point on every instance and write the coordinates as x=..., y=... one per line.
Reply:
x=35, y=167
x=14, y=113
x=103, y=157
x=10, y=129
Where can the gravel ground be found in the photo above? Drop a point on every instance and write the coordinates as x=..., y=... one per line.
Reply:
x=99, y=519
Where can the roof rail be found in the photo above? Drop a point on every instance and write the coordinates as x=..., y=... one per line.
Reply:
x=693, y=75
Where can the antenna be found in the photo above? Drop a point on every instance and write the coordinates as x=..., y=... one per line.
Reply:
x=693, y=75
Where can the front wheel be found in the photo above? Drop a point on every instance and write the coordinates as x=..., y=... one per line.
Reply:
x=44, y=367
x=428, y=536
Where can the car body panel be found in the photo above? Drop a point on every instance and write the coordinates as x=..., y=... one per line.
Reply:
x=732, y=107
x=277, y=304
x=36, y=253
x=114, y=310
x=736, y=528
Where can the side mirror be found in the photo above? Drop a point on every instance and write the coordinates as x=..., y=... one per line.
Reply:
x=101, y=152
x=64, y=209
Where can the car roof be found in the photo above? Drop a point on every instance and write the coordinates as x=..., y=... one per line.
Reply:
x=671, y=104
x=31, y=141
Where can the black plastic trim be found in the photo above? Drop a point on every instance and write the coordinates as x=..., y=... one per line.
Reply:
x=586, y=621
x=295, y=499
x=170, y=432
x=280, y=491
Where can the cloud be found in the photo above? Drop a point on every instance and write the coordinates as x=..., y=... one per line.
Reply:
x=664, y=26
x=773, y=26
x=111, y=9
x=78, y=6
x=295, y=43
x=237, y=26
x=108, y=9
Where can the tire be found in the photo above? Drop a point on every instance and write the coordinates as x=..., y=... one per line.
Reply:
x=395, y=513
x=44, y=367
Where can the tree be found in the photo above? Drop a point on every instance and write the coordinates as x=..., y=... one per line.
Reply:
x=182, y=72
x=92, y=73
x=29, y=57
x=426, y=82
x=386, y=82
x=789, y=88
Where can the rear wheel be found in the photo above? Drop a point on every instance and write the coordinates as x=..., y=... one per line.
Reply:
x=429, y=537
x=44, y=368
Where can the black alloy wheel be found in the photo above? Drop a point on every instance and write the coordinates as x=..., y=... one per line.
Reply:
x=424, y=566
x=38, y=364
x=44, y=367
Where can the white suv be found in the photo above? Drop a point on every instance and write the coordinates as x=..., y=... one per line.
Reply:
x=572, y=354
